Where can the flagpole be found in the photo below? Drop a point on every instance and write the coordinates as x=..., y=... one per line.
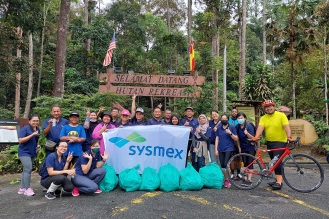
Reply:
x=113, y=55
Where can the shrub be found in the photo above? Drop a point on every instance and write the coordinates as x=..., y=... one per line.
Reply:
x=9, y=161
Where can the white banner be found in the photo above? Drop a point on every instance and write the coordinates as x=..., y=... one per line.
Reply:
x=149, y=146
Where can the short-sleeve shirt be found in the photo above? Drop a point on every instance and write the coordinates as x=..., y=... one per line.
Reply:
x=273, y=124
x=194, y=123
x=52, y=161
x=83, y=161
x=77, y=131
x=153, y=121
x=243, y=138
x=225, y=141
x=55, y=131
x=135, y=122
x=114, y=122
x=28, y=148
x=212, y=124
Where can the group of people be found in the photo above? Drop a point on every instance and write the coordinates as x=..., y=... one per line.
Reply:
x=79, y=150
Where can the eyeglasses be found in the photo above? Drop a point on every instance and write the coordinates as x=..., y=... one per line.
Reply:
x=34, y=120
x=62, y=146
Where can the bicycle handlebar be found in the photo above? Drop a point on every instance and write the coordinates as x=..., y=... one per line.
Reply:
x=295, y=142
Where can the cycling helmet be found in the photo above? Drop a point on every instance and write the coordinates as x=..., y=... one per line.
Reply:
x=268, y=103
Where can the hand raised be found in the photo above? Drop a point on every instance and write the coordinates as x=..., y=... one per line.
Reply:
x=86, y=155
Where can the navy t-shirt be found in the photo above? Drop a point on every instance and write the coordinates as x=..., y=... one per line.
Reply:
x=83, y=161
x=153, y=121
x=225, y=143
x=208, y=134
x=52, y=161
x=244, y=143
x=28, y=148
x=53, y=135
x=194, y=123
x=212, y=124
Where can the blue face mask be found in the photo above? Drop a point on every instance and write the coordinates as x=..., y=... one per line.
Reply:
x=95, y=150
x=240, y=121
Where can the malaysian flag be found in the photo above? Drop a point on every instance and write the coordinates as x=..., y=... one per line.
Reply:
x=108, y=57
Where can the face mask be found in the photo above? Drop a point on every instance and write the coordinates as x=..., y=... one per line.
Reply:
x=93, y=120
x=224, y=122
x=95, y=150
x=240, y=121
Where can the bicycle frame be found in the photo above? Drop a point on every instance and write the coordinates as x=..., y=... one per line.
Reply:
x=260, y=159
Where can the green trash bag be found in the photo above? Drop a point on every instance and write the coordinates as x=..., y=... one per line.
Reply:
x=190, y=179
x=130, y=180
x=169, y=178
x=150, y=180
x=212, y=176
x=110, y=180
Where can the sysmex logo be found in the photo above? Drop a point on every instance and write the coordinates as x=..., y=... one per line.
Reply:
x=146, y=150
x=120, y=142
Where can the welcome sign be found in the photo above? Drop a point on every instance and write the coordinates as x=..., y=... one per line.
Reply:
x=149, y=146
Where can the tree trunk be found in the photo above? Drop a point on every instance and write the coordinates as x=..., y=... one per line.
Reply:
x=264, y=32
x=63, y=23
x=30, y=84
x=45, y=12
x=18, y=75
x=293, y=90
x=325, y=73
x=242, y=73
x=215, y=54
x=87, y=41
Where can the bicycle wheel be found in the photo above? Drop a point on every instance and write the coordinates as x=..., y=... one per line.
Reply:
x=302, y=173
x=254, y=168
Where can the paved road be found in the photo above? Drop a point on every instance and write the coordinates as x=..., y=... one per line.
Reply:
x=207, y=203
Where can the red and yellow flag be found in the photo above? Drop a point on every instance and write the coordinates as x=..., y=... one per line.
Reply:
x=192, y=62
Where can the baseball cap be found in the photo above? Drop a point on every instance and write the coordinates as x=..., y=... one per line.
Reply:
x=189, y=108
x=74, y=114
x=140, y=109
x=125, y=112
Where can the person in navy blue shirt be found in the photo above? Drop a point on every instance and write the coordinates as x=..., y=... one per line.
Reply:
x=213, y=125
x=246, y=131
x=156, y=120
x=174, y=120
x=124, y=121
x=224, y=144
x=75, y=135
x=191, y=122
x=51, y=130
x=53, y=178
x=167, y=116
x=137, y=115
x=200, y=143
x=89, y=171
x=28, y=138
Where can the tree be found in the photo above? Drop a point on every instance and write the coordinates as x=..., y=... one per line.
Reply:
x=58, y=90
x=294, y=35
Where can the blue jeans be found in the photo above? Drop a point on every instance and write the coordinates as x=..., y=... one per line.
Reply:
x=27, y=170
x=89, y=183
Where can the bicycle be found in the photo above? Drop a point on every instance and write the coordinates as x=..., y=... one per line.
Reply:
x=301, y=172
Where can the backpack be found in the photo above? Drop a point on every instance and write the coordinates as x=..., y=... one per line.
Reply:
x=43, y=167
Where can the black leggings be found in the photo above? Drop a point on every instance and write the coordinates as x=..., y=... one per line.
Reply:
x=248, y=160
x=224, y=157
x=58, y=180
x=272, y=145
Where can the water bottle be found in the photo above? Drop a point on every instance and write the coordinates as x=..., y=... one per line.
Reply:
x=273, y=161
x=54, y=122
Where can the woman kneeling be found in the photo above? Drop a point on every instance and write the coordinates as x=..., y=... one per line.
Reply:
x=89, y=171
x=53, y=177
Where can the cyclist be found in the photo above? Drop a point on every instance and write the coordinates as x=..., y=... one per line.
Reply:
x=277, y=131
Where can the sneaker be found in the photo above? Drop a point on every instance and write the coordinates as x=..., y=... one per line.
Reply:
x=75, y=191
x=98, y=191
x=227, y=184
x=276, y=186
x=232, y=176
x=21, y=191
x=239, y=176
x=50, y=195
x=271, y=183
x=246, y=183
x=29, y=192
